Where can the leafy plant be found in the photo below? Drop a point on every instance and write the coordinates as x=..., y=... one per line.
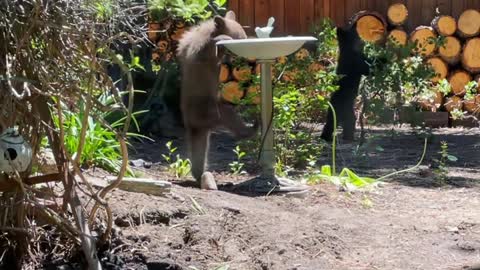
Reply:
x=442, y=167
x=457, y=114
x=178, y=167
x=396, y=77
x=347, y=178
x=444, y=87
x=470, y=90
x=326, y=34
x=188, y=10
x=237, y=166
x=101, y=147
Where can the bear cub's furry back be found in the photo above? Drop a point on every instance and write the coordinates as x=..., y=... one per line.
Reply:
x=202, y=109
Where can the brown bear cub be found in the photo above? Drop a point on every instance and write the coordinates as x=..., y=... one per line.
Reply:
x=201, y=106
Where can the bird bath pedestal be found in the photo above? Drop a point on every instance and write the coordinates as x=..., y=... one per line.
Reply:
x=266, y=50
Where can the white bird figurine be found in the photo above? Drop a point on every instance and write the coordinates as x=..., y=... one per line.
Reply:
x=264, y=32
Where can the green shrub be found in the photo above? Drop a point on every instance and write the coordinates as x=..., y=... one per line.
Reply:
x=101, y=147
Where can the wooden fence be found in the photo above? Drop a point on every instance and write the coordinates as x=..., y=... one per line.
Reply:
x=294, y=17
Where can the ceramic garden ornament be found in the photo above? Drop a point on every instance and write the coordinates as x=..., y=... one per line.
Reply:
x=264, y=32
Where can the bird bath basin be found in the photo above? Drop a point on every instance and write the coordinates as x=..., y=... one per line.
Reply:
x=266, y=50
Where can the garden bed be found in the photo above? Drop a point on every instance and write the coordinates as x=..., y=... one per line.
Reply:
x=425, y=224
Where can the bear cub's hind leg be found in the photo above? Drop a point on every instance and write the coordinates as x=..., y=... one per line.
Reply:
x=198, y=140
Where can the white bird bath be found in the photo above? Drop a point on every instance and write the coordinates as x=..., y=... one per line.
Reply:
x=266, y=50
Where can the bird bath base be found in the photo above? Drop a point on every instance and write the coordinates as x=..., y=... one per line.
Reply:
x=273, y=185
x=265, y=50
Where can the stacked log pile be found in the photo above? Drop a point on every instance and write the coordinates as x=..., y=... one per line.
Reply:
x=455, y=56
x=165, y=35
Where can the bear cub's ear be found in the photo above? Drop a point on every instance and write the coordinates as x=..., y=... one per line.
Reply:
x=219, y=22
x=230, y=15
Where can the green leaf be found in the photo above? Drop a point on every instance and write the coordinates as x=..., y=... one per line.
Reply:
x=452, y=158
x=326, y=170
x=220, y=3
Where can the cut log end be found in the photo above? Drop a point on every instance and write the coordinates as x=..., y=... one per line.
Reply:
x=458, y=80
x=232, y=92
x=242, y=73
x=423, y=36
x=224, y=73
x=397, y=14
x=370, y=26
x=453, y=103
x=398, y=37
x=253, y=94
x=445, y=25
x=450, y=51
x=471, y=55
x=469, y=23
x=472, y=105
x=440, y=68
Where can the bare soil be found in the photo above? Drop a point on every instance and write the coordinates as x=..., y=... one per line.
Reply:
x=412, y=222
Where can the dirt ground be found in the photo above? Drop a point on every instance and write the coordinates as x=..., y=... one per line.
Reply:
x=411, y=222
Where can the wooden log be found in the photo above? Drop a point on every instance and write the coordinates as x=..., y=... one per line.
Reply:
x=445, y=25
x=453, y=103
x=142, y=185
x=258, y=70
x=371, y=26
x=397, y=14
x=177, y=34
x=471, y=55
x=451, y=50
x=232, y=92
x=153, y=31
x=253, y=94
x=224, y=73
x=469, y=23
x=458, y=79
x=7, y=184
x=315, y=67
x=302, y=54
x=423, y=36
x=162, y=46
x=470, y=105
x=281, y=60
x=432, y=105
x=440, y=67
x=398, y=36
x=290, y=75
x=242, y=73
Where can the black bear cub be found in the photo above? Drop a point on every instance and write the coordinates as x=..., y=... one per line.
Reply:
x=352, y=64
x=202, y=109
